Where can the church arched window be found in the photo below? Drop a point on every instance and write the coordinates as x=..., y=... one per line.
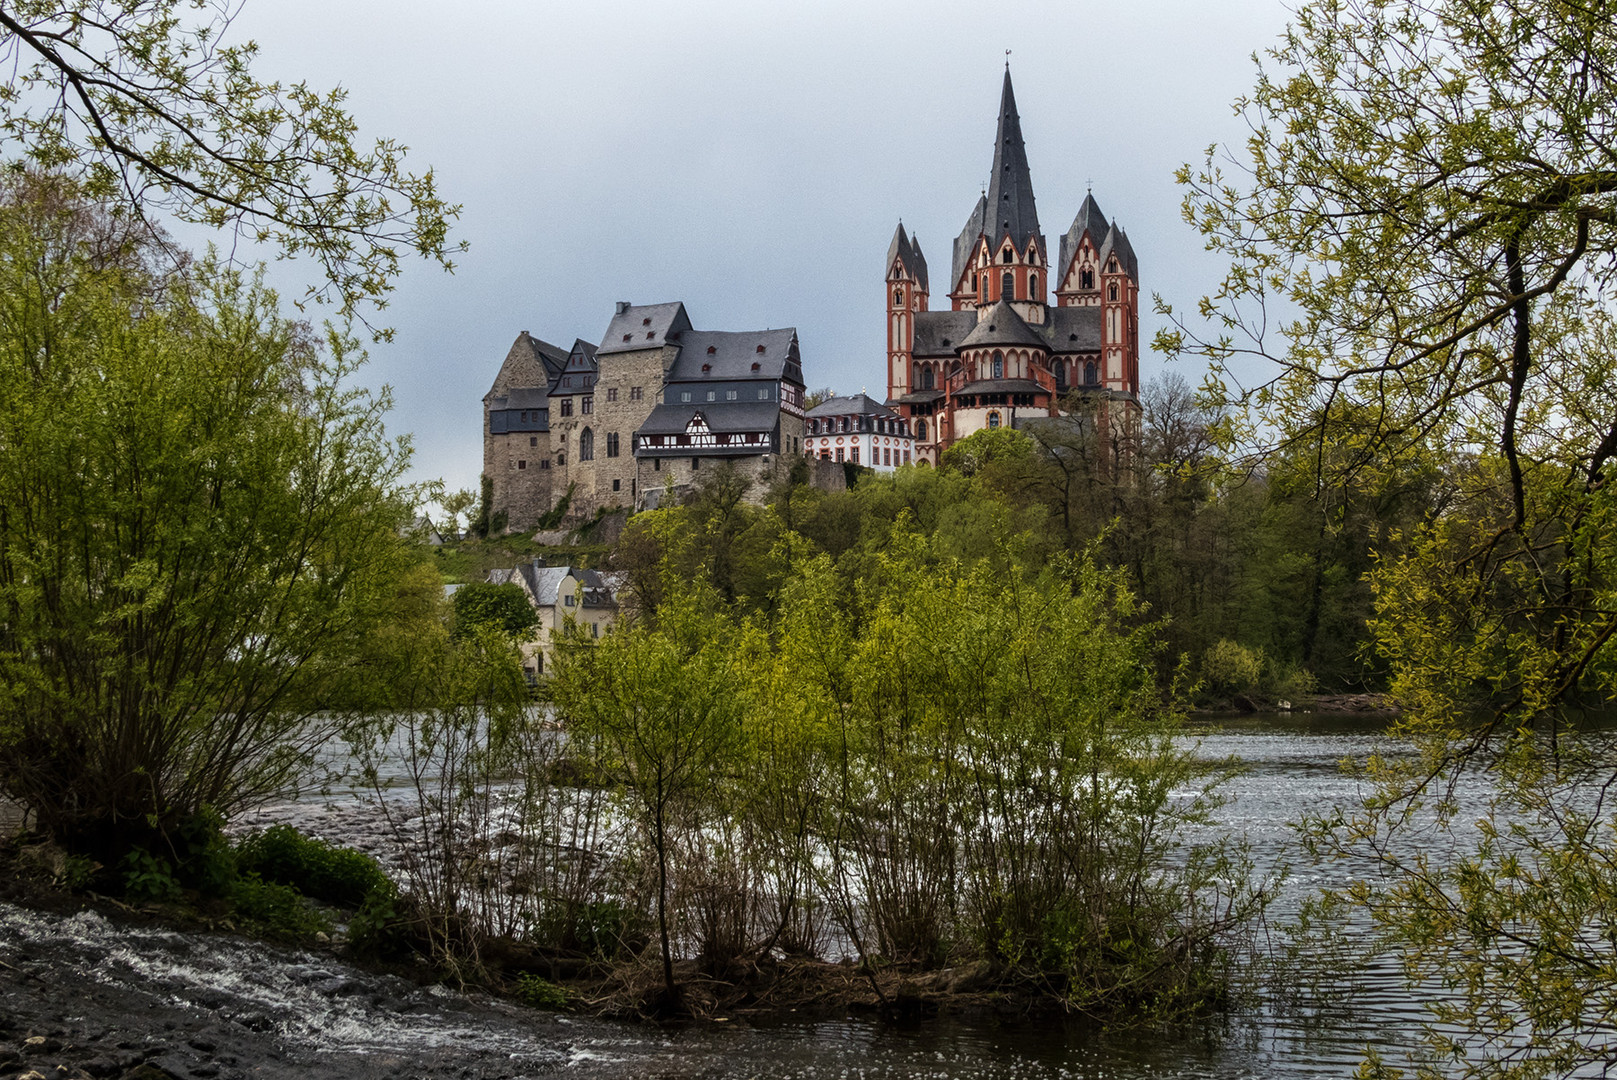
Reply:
x=926, y=377
x=898, y=297
x=1089, y=373
x=586, y=445
x=1111, y=291
x=1006, y=257
x=999, y=366
x=993, y=419
x=1033, y=287
x=1007, y=286
x=920, y=429
x=1086, y=279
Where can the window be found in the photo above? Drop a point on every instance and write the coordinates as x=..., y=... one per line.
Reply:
x=656, y=464
x=763, y=393
x=886, y=457
x=1086, y=279
x=853, y=454
x=561, y=458
x=993, y=419
x=634, y=393
x=898, y=297
x=617, y=485
x=568, y=599
x=713, y=395
x=906, y=457
x=612, y=449
x=1089, y=373
x=1007, y=286
x=920, y=429
x=586, y=445
x=684, y=395
x=1111, y=291
x=999, y=366
x=567, y=406
x=595, y=629
x=611, y=393
x=522, y=464
x=1005, y=256
x=696, y=463
x=1033, y=287
x=587, y=405
x=926, y=378
x=524, y=418
x=729, y=395
x=533, y=440
x=839, y=453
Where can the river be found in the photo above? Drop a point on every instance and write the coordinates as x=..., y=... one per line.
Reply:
x=257, y=1010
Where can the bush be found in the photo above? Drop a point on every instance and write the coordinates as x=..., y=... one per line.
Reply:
x=538, y=993
x=336, y=875
x=275, y=910
x=1229, y=669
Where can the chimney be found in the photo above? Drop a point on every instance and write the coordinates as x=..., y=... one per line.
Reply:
x=623, y=305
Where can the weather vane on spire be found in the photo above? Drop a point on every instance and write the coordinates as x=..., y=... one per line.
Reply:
x=1007, y=59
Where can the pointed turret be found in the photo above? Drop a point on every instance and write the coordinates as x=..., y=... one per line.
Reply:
x=1010, y=206
x=906, y=252
x=1089, y=220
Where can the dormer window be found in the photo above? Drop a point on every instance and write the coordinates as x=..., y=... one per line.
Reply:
x=760, y=348
x=706, y=368
x=711, y=349
x=628, y=337
x=645, y=322
x=755, y=366
x=651, y=335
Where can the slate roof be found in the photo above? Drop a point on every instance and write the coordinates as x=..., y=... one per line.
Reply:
x=522, y=397
x=1001, y=325
x=1073, y=329
x=671, y=418
x=529, y=362
x=644, y=326
x=544, y=583
x=1089, y=219
x=965, y=245
x=1010, y=207
x=919, y=397
x=1002, y=386
x=850, y=405
x=906, y=251
x=1118, y=241
x=733, y=354
x=939, y=333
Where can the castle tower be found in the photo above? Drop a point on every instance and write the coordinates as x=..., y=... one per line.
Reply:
x=907, y=293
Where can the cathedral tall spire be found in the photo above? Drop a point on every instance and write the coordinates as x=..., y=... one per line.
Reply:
x=1010, y=206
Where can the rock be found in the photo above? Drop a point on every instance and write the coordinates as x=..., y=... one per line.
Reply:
x=322, y=937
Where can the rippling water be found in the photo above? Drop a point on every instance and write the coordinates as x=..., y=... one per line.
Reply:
x=315, y=1003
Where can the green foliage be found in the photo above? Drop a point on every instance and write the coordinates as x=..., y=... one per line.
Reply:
x=538, y=993
x=202, y=522
x=1229, y=669
x=503, y=608
x=336, y=875
x=275, y=910
x=556, y=514
x=481, y=526
x=1429, y=189
x=145, y=100
x=148, y=877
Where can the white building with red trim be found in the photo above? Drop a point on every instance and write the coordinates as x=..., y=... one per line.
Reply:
x=859, y=431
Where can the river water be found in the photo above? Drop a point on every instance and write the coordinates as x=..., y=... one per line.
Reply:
x=308, y=1015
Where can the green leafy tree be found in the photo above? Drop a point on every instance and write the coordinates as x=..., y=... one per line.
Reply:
x=151, y=106
x=200, y=526
x=505, y=608
x=1429, y=200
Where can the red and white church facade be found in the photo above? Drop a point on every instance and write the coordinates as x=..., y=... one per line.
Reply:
x=1024, y=336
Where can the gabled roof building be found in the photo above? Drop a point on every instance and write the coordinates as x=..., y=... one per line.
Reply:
x=1023, y=334
x=858, y=431
x=617, y=424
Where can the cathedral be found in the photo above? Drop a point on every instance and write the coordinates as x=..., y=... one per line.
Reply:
x=1004, y=352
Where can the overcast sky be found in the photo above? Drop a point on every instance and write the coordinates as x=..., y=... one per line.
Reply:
x=751, y=160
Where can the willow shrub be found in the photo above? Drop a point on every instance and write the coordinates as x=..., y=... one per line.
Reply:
x=1005, y=782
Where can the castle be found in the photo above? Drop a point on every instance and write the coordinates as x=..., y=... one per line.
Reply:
x=619, y=423
x=1003, y=353
x=615, y=425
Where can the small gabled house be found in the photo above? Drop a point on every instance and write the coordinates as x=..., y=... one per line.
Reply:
x=560, y=595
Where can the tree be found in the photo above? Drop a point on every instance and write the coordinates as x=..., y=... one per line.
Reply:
x=200, y=527
x=505, y=608
x=1431, y=195
x=149, y=104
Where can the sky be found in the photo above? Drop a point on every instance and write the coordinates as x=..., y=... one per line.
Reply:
x=751, y=160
